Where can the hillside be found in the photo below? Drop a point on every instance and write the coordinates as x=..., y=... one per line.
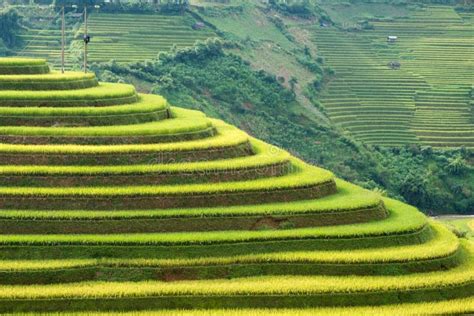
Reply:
x=125, y=38
x=426, y=101
x=270, y=81
x=109, y=197
x=118, y=36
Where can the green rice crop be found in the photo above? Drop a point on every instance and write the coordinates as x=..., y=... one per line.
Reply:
x=303, y=176
x=349, y=197
x=53, y=76
x=185, y=121
x=12, y=61
x=103, y=91
x=265, y=155
x=146, y=103
x=228, y=136
x=443, y=244
x=269, y=285
x=444, y=307
x=403, y=219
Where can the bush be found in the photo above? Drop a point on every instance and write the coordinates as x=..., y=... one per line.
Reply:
x=456, y=165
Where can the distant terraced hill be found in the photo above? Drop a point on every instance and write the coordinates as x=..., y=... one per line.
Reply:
x=122, y=37
x=427, y=101
x=109, y=197
x=128, y=37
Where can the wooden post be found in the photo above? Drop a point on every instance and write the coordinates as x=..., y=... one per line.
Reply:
x=63, y=41
x=85, y=36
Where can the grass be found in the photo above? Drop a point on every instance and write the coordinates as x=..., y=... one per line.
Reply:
x=145, y=104
x=15, y=61
x=461, y=226
x=374, y=251
x=183, y=121
x=278, y=285
x=444, y=307
x=349, y=197
x=123, y=37
x=264, y=155
x=227, y=136
x=417, y=103
x=53, y=76
x=403, y=219
x=303, y=176
x=443, y=244
x=50, y=81
x=100, y=95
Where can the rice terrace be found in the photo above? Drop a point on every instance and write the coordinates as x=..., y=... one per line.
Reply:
x=228, y=157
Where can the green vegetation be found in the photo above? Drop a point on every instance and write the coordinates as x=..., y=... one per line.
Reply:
x=146, y=103
x=227, y=136
x=124, y=38
x=457, y=306
x=9, y=27
x=51, y=81
x=461, y=226
x=443, y=245
x=104, y=94
x=259, y=285
x=17, y=66
x=147, y=108
x=206, y=78
x=402, y=220
x=181, y=125
x=108, y=197
x=348, y=197
x=327, y=107
x=40, y=34
x=410, y=101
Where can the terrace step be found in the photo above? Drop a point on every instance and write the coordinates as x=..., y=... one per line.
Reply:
x=148, y=108
x=50, y=81
x=397, y=260
x=17, y=66
x=303, y=291
x=303, y=183
x=267, y=162
x=102, y=95
x=183, y=125
x=228, y=142
x=403, y=226
x=349, y=205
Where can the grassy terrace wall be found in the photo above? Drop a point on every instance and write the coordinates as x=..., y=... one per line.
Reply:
x=427, y=100
x=105, y=203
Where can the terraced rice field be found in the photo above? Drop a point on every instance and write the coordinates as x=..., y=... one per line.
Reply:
x=128, y=38
x=122, y=37
x=41, y=36
x=427, y=101
x=109, y=197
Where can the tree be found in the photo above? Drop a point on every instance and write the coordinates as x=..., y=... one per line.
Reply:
x=456, y=165
x=9, y=26
x=413, y=188
x=293, y=81
x=307, y=51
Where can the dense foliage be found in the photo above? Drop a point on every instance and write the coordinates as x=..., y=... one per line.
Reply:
x=9, y=27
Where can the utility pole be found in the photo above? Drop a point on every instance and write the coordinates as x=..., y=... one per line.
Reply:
x=63, y=40
x=86, y=38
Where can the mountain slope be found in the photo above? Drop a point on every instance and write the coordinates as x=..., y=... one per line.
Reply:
x=107, y=216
